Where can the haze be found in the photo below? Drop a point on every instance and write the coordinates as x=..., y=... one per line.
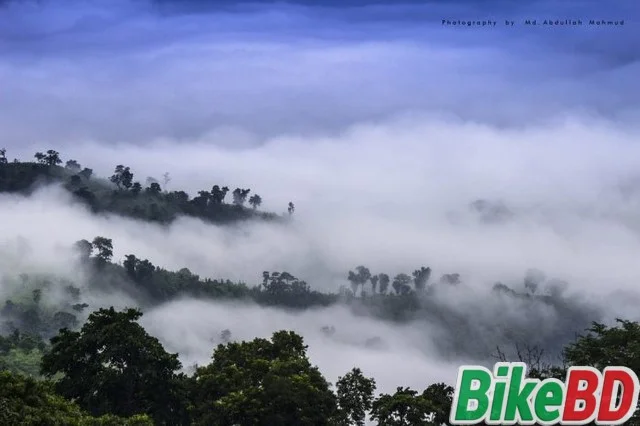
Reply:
x=378, y=122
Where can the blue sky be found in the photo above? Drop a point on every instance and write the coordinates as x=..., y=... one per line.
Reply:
x=244, y=64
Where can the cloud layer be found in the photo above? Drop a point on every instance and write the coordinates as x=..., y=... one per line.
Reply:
x=380, y=123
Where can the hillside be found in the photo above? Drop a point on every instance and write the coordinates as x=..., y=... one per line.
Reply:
x=58, y=342
x=122, y=194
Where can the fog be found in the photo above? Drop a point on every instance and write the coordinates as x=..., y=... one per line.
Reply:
x=380, y=123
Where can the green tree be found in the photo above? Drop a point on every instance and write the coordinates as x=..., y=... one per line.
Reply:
x=262, y=383
x=355, y=396
x=112, y=366
x=25, y=401
x=440, y=398
x=404, y=408
x=604, y=346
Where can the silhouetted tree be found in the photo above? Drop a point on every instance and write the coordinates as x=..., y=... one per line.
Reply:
x=291, y=208
x=384, y=283
x=240, y=196
x=153, y=189
x=84, y=248
x=86, y=173
x=40, y=157
x=104, y=249
x=136, y=188
x=374, y=282
x=122, y=177
x=3, y=156
x=255, y=200
x=421, y=277
x=401, y=284
x=73, y=166
x=359, y=277
x=51, y=158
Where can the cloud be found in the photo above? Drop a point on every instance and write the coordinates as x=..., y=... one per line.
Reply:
x=378, y=122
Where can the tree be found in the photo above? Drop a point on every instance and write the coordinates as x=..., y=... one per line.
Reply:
x=240, y=196
x=604, y=346
x=384, y=283
x=255, y=201
x=3, y=156
x=73, y=166
x=40, y=157
x=112, y=366
x=262, y=382
x=86, y=173
x=451, y=279
x=355, y=396
x=75, y=181
x=122, y=177
x=404, y=408
x=84, y=248
x=421, y=277
x=291, y=208
x=440, y=398
x=154, y=189
x=136, y=188
x=358, y=278
x=401, y=284
x=51, y=158
x=374, y=283
x=26, y=401
x=104, y=248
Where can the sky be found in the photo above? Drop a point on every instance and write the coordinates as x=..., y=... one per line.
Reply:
x=379, y=121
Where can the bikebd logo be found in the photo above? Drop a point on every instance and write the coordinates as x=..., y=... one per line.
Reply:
x=507, y=397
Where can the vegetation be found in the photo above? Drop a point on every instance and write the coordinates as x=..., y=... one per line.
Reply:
x=63, y=365
x=112, y=372
x=121, y=193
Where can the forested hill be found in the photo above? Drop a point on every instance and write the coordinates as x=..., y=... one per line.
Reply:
x=122, y=193
x=65, y=361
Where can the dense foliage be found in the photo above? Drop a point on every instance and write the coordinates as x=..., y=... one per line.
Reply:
x=112, y=372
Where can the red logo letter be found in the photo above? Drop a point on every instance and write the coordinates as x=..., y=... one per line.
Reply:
x=575, y=393
x=610, y=412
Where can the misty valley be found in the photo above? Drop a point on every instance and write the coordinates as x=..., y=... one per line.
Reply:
x=294, y=213
x=70, y=358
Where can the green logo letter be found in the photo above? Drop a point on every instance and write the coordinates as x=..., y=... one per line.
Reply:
x=474, y=384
